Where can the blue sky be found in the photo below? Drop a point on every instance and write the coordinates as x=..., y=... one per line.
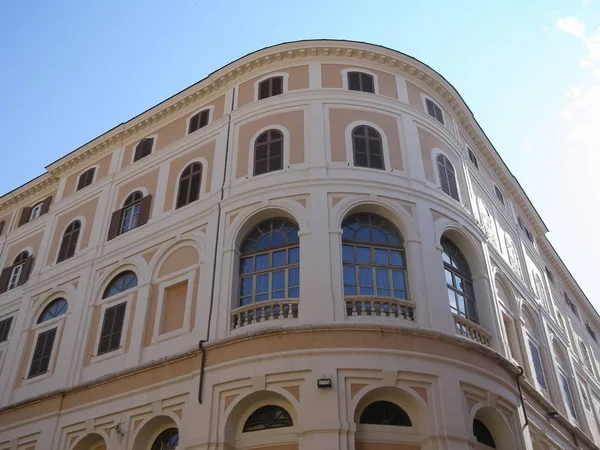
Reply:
x=530, y=72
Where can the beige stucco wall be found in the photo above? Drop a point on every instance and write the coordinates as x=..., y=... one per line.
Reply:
x=298, y=79
x=293, y=121
x=206, y=151
x=86, y=210
x=332, y=78
x=339, y=119
x=32, y=242
x=178, y=260
x=103, y=166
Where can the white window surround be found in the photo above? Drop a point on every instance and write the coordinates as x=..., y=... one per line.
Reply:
x=62, y=233
x=123, y=297
x=284, y=89
x=15, y=275
x=360, y=69
x=435, y=152
x=286, y=148
x=36, y=211
x=350, y=147
x=58, y=323
x=202, y=192
x=95, y=167
x=154, y=138
x=530, y=338
x=425, y=97
x=211, y=111
x=562, y=373
x=162, y=287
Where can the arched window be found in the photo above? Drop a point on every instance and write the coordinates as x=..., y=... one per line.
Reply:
x=17, y=274
x=40, y=362
x=68, y=245
x=367, y=147
x=167, y=440
x=131, y=211
x=198, y=121
x=189, y=185
x=483, y=434
x=540, y=292
x=459, y=282
x=270, y=263
x=143, y=149
x=268, y=152
x=121, y=283
x=585, y=356
x=268, y=417
x=385, y=413
x=447, y=176
x=373, y=257
x=360, y=81
x=55, y=309
x=86, y=178
x=270, y=87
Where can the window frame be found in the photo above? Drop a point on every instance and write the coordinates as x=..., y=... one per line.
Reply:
x=427, y=98
x=368, y=139
x=202, y=187
x=36, y=211
x=154, y=138
x=532, y=341
x=131, y=206
x=472, y=157
x=499, y=195
x=209, y=108
x=190, y=277
x=436, y=153
x=6, y=329
x=285, y=150
x=124, y=297
x=79, y=178
x=81, y=221
x=18, y=267
x=464, y=276
x=284, y=85
x=346, y=81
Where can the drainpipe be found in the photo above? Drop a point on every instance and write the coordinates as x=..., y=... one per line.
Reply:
x=519, y=375
x=214, y=274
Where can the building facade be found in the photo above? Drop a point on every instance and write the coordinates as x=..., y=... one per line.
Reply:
x=315, y=247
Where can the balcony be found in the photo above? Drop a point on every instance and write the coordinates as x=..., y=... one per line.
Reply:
x=472, y=331
x=263, y=312
x=374, y=306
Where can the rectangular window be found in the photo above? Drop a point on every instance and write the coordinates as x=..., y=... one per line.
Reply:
x=434, y=111
x=36, y=212
x=112, y=327
x=41, y=355
x=271, y=87
x=198, y=121
x=572, y=305
x=591, y=332
x=567, y=394
x=537, y=365
x=499, y=194
x=5, y=329
x=473, y=158
x=550, y=275
x=15, y=276
x=86, y=178
x=143, y=149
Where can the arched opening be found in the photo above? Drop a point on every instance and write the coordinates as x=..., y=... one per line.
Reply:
x=491, y=430
x=269, y=273
x=92, y=441
x=189, y=185
x=367, y=147
x=68, y=245
x=159, y=433
x=46, y=337
x=261, y=420
x=383, y=412
x=121, y=283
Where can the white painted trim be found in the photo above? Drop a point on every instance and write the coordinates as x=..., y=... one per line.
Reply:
x=315, y=77
x=284, y=88
x=162, y=287
x=95, y=167
x=202, y=193
x=124, y=297
x=62, y=234
x=401, y=89
x=344, y=73
x=350, y=149
x=211, y=111
x=427, y=97
x=286, y=148
x=154, y=143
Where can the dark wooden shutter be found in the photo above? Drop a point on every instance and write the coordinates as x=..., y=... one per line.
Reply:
x=25, y=214
x=27, y=266
x=115, y=224
x=41, y=355
x=144, y=212
x=5, y=329
x=46, y=205
x=203, y=118
x=112, y=327
x=4, y=276
x=194, y=123
x=2, y=226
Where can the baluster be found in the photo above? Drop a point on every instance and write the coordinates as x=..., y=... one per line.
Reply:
x=354, y=311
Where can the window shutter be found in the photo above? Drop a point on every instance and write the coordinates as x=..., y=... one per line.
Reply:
x=115, y=224
x=27, y=265
x=144, y=213
x=4, y=276
x=203, y=118
x=2, y=226
x=5, y=329
x=46, y=205
x=41, y=355
x=25, y=213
